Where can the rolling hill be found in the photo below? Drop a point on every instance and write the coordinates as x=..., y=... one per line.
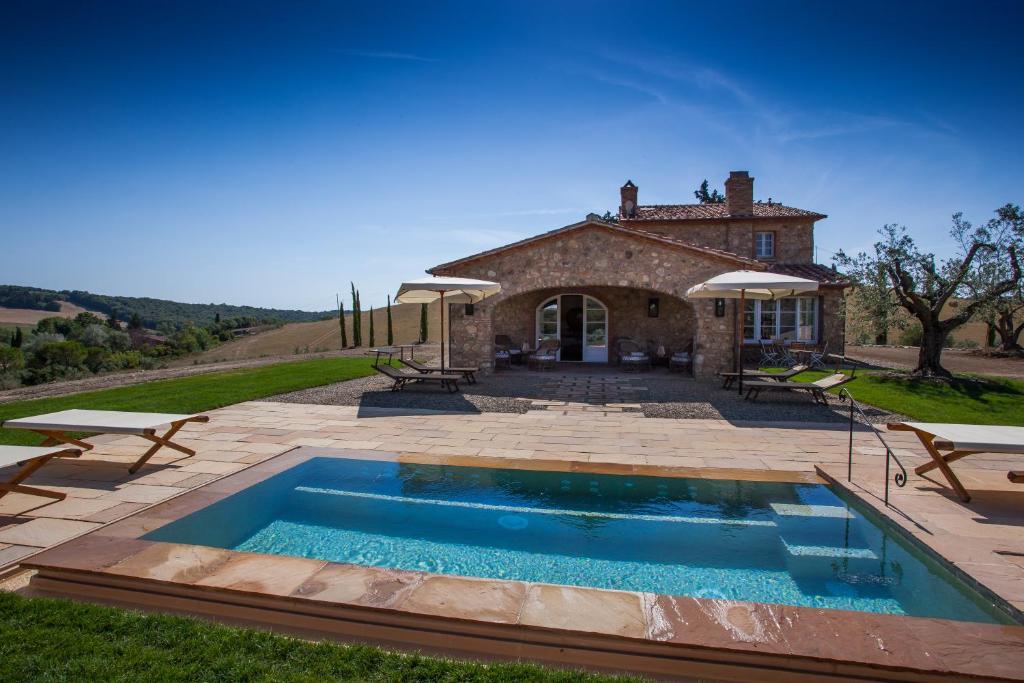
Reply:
x=323, y=335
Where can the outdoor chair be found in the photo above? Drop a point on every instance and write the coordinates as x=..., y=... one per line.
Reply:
x=546, y=355
x=401, y=379
x=819, y=357
x=770, y=356
x=469, y=374
x=59, y=427
x=502, y=357
x=504, y=342
x=816, y=389
x=729, y=378
x=632, y=356
x=682, y=360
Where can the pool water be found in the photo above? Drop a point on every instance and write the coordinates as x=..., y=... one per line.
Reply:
x=794, y=544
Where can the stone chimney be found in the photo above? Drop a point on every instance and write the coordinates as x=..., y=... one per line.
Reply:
x=627, y=206
x=739, y=194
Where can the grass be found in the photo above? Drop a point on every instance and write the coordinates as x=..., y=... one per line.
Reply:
x=55, y=640
x=967, y=399
x=191, y=394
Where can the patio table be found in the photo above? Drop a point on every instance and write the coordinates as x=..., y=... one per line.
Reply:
x=959, y=441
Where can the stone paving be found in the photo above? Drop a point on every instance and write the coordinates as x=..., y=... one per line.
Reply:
x=100, y=490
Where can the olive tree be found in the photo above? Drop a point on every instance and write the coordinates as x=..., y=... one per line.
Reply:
x=923, y=286
x=1003, y=313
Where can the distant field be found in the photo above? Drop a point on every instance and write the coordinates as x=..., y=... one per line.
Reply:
x=23, y=317
x=323, y=335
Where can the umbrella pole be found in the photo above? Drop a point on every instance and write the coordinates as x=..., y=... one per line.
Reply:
x=739, y=335
x=442, y=331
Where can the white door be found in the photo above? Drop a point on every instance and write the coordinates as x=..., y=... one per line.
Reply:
x=595, y=332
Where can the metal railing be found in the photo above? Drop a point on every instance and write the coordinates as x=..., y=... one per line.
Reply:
x=901, y=476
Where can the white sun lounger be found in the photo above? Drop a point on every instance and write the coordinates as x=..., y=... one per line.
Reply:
x=31, y=458
x=55, y=427
x=961, y=440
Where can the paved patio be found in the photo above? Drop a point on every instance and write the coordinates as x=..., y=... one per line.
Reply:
x=100, y=490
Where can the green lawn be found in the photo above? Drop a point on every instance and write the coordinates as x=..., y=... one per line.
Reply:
x=192, y=394
x=55, y=640
x=968, y=399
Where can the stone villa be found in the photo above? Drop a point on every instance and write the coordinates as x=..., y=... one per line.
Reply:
x=592, y=283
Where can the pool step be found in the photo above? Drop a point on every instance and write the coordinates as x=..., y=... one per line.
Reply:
x=799, y=510
x=829, y=551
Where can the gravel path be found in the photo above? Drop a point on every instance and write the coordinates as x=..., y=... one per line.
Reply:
x=656, y=395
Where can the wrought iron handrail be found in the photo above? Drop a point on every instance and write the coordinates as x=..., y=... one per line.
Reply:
x=900, y=477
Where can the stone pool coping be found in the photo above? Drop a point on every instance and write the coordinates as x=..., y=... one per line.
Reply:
x=665, y=636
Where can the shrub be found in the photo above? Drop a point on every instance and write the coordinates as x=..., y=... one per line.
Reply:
x=911, y=336
x=125, y=360
x=11, y=359
x=96, y=358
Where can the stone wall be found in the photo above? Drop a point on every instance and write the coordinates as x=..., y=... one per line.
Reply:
x=794, y=238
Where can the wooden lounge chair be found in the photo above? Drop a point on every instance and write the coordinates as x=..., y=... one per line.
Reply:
x=815, y=389
x=57, y=428
x=728, y=378
x=31, y=458
x=469, y=374
x=449, y=382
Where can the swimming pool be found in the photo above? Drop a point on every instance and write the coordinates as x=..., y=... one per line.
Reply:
x=795, y=544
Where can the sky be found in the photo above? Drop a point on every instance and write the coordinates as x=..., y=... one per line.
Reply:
x=269, y=154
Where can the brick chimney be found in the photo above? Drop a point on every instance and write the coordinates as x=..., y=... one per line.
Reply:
x=739, y=194
x=627, y=205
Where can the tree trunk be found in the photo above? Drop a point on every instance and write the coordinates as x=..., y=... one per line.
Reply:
x=929, y=358
x=1009, y=338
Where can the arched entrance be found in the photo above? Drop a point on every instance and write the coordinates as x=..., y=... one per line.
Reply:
x=579, y=322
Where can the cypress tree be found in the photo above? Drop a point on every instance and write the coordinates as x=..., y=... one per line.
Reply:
x=341, y=323
x=355, y=316
x=373, y=341
x=423, y=323
x=391, y=335
x=18, y=338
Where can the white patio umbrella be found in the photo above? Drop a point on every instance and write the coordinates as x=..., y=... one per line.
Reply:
x=749, y=284
x=454, y=290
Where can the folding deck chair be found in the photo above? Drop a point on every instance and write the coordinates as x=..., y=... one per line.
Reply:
x=58, y=427
x=815, y=389
x=30, y=459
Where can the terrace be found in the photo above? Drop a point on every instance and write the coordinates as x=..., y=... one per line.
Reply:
x=597, y=422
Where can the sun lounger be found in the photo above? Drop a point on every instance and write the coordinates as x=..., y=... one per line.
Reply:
x=729, y=377
x=449, y=382
x=57, y=427
x=960, y=440
x=30, y=459
x=469, y=374
x=815, y=389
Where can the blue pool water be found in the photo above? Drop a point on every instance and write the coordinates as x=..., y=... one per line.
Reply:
x=795, y=544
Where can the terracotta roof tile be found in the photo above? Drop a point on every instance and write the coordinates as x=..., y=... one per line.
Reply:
x=811, y=271
x=705, y=212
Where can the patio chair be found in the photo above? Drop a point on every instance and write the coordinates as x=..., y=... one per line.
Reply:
x=769, y=353
x=502, y=357
x=632, y=356
x=469, y=374
x=816, y=389
x=504, y=342
x=682, y=360
x=401, y=379
x=819, y=357
x=29, y=459
x=729, y=378
x=546, y=355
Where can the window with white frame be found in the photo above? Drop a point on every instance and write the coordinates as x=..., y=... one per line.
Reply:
x=792, y=319
x=765, y=243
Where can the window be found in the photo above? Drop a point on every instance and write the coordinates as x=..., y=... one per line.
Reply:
x=597, y=324
x=765, y=242
x=549, y=320
x=792, y=318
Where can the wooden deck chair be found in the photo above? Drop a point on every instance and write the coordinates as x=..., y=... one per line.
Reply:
x=816, y=389
x=469, y=374
x=401, y=379
x=728, y=378
x=29, y=459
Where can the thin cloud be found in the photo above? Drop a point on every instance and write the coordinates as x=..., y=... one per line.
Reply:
x=384, y=54
x=484, y=238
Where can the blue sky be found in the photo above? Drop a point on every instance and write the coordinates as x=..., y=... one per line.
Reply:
x=269, y=154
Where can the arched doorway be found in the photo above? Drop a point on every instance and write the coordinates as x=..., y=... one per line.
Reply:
x=579, y=322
